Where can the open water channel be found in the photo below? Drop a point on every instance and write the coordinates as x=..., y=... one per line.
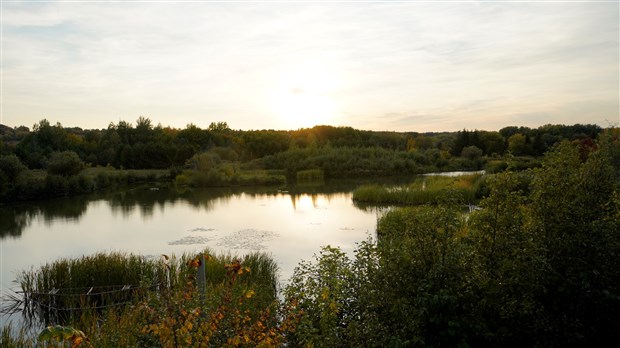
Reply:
x=290, y=224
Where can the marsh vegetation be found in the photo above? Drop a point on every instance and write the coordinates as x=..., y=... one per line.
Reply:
x=423, y=190
x=535, y=266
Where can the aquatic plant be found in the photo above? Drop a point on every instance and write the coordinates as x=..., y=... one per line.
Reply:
x=423, y=190
x=310, y=175
x=59, y=291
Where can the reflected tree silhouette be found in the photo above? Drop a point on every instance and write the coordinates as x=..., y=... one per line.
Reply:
x=14, y=218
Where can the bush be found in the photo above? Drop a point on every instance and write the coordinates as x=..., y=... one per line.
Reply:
x=11, y=166
x=493, y=167
x=66, y=163
x=310, y=175
x=536, y=266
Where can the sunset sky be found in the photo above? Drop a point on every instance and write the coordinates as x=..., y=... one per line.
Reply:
x=391, y=65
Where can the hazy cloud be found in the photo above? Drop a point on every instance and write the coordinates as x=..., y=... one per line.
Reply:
x=431, y=66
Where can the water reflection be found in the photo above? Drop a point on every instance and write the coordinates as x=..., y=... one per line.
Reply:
x=14, y=219
x=290, y=223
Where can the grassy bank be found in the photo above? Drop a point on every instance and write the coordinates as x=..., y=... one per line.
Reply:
x=60, y=291
x=423, y=190
x=128, y=300
x=41, y=184
x=214, y=178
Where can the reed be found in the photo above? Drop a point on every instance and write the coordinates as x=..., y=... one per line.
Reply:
x=60, y=291
x=12, y=337
x=310, y=175
x=262, y=276
x=215, y=178
x=423, y=190
x=92, y=293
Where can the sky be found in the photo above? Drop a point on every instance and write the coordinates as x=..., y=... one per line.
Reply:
x=392, y=65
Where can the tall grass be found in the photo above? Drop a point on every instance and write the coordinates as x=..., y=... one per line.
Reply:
x=11, y=337
x=108, y=177
x=429, y=189
x=216, y=178
x=61, y=290
x=310, y=175
x=92, y=292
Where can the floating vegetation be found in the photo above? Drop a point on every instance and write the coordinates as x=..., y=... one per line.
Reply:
x=249, y=239
x=191, y=240
x=347, y=229
x=202, y=229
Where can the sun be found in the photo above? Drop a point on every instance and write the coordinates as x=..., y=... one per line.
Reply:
x=303, y=97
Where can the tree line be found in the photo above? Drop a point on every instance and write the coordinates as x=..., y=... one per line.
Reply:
x=146, y=146
x=221, y=156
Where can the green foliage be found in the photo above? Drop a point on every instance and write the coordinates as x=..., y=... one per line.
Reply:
x=219, y=167
x=10, y=167
x=536, y=266
x=85, y=282
x=340, y=152
x=66, y=163
x=332, y=300
x=321, y=292
x=220, y=178
x=58, y=333
x=495, y=166
x=508, y=264
x=346, y=162
x=425, y=269
x=518, y=145
x=310, y=175
x=11, y=337
x=237, y=306
x=426, y=189
x=574, y=205
x=472, y=153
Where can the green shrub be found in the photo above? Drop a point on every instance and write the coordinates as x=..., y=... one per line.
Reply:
x=496, y=166
x=11, y=166
x=168, y=306
x=310, y=175
x=65, y=163
x=428, y=189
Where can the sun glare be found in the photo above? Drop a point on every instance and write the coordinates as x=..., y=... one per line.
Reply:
x=302, y=97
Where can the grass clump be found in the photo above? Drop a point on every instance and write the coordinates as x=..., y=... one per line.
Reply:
x=172, y=306
x=11, y=337
x=310, y=175
x=217, y=178
x=426, y=189
x=62, y=290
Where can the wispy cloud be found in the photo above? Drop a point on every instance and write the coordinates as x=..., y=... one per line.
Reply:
x=474, y=65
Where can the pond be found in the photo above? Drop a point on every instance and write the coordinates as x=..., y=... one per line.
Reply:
x=291, y=225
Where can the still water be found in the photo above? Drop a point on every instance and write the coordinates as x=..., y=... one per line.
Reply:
x=291, y=225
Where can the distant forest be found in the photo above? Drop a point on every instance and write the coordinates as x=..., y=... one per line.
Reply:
x=146, y=146
x=51, y=160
